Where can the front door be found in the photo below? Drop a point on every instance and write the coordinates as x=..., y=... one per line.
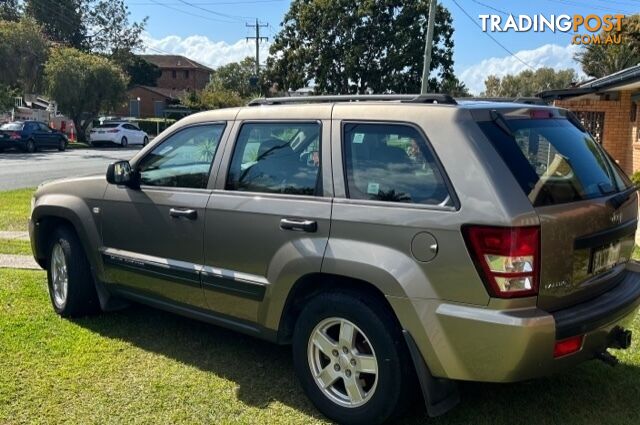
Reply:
x=153, y=236
x=268, y=222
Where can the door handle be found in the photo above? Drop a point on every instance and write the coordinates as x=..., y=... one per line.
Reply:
x=300, y=225
x=181, y=212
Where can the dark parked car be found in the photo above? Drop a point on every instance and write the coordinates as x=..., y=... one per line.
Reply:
x=30, y=136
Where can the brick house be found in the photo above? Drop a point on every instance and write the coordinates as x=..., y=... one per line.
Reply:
x=179, y=75
x=608, y=107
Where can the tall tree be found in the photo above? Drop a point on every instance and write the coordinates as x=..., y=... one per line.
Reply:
x=528, y=83
x=356, y=46
x=83, y=85
x=9, y=10
x=598, y=60
x=100, y=26
x=23, y=51
x=62, y=21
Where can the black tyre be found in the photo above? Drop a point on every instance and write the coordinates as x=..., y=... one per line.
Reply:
x=351, y=359
x=145, y=142
x=124, y=142
x=62, y=145
x=31, y=146
x=71, y=286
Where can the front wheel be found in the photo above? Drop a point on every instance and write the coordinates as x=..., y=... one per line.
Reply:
x=71, y=286
x=350, y=358
x=62, y=145
x=124, y=143
x=145, y=142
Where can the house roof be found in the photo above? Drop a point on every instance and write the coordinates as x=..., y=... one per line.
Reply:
x=174, y=61
x=167, y=93
x=628, y=78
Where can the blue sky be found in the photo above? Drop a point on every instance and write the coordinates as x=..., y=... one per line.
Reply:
x=213, y=31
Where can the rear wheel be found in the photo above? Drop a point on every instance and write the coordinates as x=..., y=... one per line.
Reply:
x=145, y=141
x=350, y=357
x=71, y=286
x=31, y=146
x=124, y=142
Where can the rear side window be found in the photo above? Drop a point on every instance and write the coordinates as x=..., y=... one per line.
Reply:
x=277, y=158
x=554, y=161
x=12, y=126
x=391, y=162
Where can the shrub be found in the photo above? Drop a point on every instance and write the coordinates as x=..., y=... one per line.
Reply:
x=635, y=178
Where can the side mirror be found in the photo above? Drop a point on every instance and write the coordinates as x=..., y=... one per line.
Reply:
x=120, y=172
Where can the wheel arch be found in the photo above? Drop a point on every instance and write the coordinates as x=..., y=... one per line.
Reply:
x=307, y=286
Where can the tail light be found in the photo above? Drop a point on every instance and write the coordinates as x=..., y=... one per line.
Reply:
x=507, y=258
x=14, y=136
x=112, y=131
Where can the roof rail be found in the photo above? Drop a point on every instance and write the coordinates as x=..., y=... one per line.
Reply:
x=404, y=98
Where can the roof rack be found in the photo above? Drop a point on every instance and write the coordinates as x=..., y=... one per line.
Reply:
x=404, y=98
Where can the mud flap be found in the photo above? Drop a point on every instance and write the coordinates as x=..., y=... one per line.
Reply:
x=440, y=395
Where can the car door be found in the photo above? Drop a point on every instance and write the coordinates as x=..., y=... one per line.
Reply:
x=48, y=137
x=153, y=236
x=268, y=219
x=133, y=135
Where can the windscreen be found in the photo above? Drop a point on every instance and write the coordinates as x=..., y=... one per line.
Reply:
x=554, y=161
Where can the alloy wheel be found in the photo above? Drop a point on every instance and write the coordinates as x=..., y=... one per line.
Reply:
x=342, y=362
x=59, y=276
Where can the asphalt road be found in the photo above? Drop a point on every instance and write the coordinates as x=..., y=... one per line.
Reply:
x=19, y=170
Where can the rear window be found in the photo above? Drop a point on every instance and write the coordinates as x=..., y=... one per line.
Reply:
x=554, y=161
x=12, y=126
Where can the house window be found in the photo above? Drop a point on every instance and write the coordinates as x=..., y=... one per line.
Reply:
x=186, y=74
x=173, y=74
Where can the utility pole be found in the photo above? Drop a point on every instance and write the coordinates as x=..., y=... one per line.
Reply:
x=428, y=47
x=258, y=39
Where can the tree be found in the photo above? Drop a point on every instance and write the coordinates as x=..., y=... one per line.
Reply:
x=598, y=60
x=9, y=10
x=212, y=98
x=358, y=46
x=140, y=71
x=83, y=85
x=62, y=21
x=528, y=83
x=236, y=77
x=23, y=52
x=100, y=26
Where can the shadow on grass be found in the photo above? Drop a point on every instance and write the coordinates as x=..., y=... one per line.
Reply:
x=592, y=393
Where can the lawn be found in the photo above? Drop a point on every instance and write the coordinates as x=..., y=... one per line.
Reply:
x=145, y=366
x=14, y=209
x=15, y=247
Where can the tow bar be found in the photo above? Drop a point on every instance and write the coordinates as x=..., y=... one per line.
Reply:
x=618, y=339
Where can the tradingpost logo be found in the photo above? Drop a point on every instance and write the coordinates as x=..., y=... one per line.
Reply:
x=586, y=28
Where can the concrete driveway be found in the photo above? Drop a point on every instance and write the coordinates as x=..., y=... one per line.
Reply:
x=19, y=170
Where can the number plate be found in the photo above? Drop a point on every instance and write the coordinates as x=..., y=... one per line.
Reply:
x=605, y=257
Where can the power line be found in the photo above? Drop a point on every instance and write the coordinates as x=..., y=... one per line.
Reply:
x=191, y=14
x=210, y=3
x=236, y=17
x=492, y=37
x=258, y=39
x=491, y=7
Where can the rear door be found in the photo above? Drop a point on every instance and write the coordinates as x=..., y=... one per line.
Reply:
x=587, y=211
x=268, y=219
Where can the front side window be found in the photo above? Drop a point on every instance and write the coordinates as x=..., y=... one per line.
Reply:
x=277, y=158
x=391, y=162
x=184, y=159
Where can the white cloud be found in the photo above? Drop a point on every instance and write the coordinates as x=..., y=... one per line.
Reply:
x=201, y=49
x=549, y=55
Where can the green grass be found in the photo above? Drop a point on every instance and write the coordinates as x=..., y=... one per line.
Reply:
x=144, y=366
x=14, y=209
x=15, y=247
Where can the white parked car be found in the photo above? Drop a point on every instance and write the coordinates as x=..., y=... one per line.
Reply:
x=120, y=133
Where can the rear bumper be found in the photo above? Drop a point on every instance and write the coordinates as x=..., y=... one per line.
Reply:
x=104, y=138
x=480, y=344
